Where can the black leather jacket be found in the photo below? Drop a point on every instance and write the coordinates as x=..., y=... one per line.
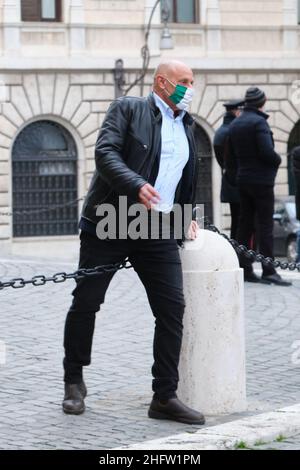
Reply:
x=127, y=146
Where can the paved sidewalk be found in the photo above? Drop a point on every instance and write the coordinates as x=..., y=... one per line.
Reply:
x=265, y=431
x=119, y=380
x=281, y=443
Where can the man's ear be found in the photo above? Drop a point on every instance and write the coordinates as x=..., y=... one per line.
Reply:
x=161, y=81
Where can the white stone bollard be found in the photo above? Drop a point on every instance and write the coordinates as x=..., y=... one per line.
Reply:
x=212, y=363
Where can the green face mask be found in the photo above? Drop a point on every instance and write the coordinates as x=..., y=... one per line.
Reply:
x=182, y=96
x=178, y=94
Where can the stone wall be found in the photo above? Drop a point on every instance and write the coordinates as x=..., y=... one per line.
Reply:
x=106, y=12
x=109, y=28
x=251, y=12
x=282, y=106
x=79, y=101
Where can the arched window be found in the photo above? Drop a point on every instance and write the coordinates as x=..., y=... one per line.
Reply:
x=44, y=171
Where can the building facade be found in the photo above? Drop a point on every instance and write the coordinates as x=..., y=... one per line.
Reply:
x=57, y=78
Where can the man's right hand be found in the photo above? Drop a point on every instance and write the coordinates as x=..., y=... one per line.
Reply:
x=148, y=196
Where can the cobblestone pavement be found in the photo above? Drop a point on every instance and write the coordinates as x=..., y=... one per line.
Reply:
x=119, y=379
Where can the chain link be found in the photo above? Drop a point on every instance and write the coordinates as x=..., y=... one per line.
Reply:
x=252, y=255
x=41, y=279
x=42, y=209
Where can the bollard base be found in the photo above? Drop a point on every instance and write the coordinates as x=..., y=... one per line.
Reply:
x=212, y=363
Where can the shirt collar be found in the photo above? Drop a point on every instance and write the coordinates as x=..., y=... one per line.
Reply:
x=165, y=108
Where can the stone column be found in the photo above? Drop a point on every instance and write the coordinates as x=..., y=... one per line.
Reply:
x=11, y=26
x=213, y=19
x=155, y=30
x=77, y=28
x=290, y=22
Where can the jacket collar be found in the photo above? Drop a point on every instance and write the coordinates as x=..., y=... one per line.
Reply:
x=188, y=119
x=250, y=109
x=228, y=118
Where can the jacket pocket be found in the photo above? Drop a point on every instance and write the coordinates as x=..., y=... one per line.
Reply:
x=144, y=145
x=135, y=152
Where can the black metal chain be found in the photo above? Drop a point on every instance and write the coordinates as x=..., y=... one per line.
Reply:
x=40, y=280
x=253, y=255
x=43, y=209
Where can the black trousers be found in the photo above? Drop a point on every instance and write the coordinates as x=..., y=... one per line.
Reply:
x=235, y=217
x=158, y=266
x=256, y=216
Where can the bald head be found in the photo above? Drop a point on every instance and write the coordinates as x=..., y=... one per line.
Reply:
x=167, y=75
x=172, y=67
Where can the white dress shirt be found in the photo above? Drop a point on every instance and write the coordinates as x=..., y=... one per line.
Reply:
x=174, y=155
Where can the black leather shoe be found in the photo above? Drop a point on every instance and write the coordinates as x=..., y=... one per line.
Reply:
x=276, y=279
x=251, y=277
x=174, y=410
x=73, y=403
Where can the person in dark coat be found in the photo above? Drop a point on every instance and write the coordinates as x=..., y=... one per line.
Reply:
x=295, y=154
x=229, y=192
x=252, y=157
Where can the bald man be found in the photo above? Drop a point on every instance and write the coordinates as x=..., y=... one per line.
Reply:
x=145, y=152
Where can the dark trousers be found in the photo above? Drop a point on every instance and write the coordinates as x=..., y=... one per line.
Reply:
x=158, y=266
x=257, y=208
x=235, y=216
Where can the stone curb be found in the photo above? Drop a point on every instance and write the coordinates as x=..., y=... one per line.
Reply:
x=250, y=431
